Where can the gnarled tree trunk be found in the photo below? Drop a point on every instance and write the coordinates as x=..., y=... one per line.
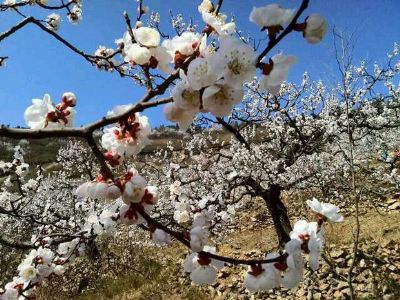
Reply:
x=278, y=211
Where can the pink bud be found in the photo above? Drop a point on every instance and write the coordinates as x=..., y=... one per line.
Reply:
x=69, y=99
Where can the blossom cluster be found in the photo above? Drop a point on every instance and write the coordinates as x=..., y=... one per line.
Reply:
x=40, y=264
x=288, y=268
x=74, y=15
x=212, y=76
x=214, y=80
x=36, y=266
x=43, y=113
x=129, y=137
x=141, y=47
x=129, y=191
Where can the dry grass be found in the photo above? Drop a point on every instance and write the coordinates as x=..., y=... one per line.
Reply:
x=374, y=227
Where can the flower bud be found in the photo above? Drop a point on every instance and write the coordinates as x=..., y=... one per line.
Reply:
x=139, y=24
x=69, y=99
x=315, y=28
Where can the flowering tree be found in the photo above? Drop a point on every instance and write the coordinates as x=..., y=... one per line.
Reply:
x=282, y=135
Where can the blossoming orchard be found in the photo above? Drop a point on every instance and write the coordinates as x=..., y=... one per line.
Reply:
x=247, y=132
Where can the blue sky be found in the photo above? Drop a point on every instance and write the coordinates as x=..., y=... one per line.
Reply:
x=39, y=64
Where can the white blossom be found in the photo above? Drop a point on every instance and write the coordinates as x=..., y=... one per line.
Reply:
x=309, y=234
x=218, y=23
x=267, y=279
x=203, y=270
x=22, y=169
x=129, y=216
x=204, y=275
x=10, y=294
x=294, y=273
x=53, y=21
x=280, y=69
x=185, y=43
x=185, y=96
x=198, y=238
x=75, y=16
x=147, y=36
x=200, y=74
x=328, y=210
x=183, y=117
x=181, y=213
x=43, y=113
x=206, y=6
x=59, y=270
x=220, y=99
x=137, y=54
x=9, y=2
x=271, y=15
x=27, y=272
x=134, y=189
x=163, y=58
x=127, y=143
x=234, y=62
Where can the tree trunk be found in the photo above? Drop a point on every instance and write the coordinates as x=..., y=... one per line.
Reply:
x=278, y=212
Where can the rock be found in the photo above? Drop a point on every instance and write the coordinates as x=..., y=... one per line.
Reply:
x=391, y=201
x=337, y=295
x=301, y=293
x=365, y=295
x=341, y=271
x=340, y=261
x=318, y=296
x=361, y=277
x=346, y=291
x=337, y=253
x=221, y=289
x=224, y=274
x=362, y=263
x=349, y=262
x=342, y=285
x=394, y=206
x=323, y=286
x=254, y=252
x=392, y=268
x=214, y=286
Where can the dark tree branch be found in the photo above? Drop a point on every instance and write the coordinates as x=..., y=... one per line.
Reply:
x=15, y=28
x=219, y=5
x=273, y=42
x=180, y=237
x=235, y=132
x=12, y=244
x=16, y=133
